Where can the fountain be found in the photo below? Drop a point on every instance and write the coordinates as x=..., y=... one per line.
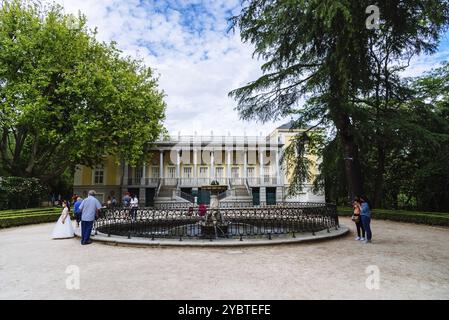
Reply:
x=213, y=220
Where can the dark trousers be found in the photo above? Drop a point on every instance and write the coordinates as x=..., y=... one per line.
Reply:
x=359, y=227
x=78, y=217
x=133, y=213
x=366, y=223
x=86, y=229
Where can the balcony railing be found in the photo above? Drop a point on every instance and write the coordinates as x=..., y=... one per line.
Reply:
x=198, y=182
x=225, y=140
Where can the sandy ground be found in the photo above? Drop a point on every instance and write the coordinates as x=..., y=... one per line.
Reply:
x=412, y=260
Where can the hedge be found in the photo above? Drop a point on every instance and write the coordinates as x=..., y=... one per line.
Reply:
x=13, y=218
x=428, y=218
x=31, y=210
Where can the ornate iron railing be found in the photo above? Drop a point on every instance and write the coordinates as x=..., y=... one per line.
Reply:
x=185, y=221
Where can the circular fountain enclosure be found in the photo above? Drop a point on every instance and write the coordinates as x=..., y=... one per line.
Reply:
x=228, y=222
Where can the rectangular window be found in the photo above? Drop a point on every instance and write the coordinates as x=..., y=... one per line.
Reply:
x=138, y=172
x=99, y=175
x=235, y=172
x=266, y=174
x=204, y=172
x=171, y=172
x=250, y=172
x=219, y=172
x=155, y=172
x=187, y=172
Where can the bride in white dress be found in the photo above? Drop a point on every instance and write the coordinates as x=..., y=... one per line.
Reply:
x=63, y=228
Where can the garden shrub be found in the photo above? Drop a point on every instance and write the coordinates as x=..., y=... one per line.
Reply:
x=19, y=192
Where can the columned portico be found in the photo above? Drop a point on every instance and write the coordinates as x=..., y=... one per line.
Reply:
x=213, y=159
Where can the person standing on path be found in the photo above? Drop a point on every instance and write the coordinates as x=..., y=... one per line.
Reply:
x=134, y=206
x=89, y=208
x=365, y=216
x=77, y=211
x=356, y=218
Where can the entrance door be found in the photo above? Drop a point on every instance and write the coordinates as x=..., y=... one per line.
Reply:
x=256, y=196
x=149, y=197
x=203, y=197
x=271, y=196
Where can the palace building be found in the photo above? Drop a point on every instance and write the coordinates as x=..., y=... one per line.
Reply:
x=178, y=166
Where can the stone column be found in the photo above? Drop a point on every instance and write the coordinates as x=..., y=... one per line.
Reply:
x=228, y=164
x=142, y=186
x=263, y=195
x=261, y=167
x=195, y=163
x=178, y=164
x=212, y=164
x=144, y=174
x=278, y=173
x=245, y=163
x=125, y=174
x=161, y=164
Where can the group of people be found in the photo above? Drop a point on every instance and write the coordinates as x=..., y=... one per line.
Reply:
x=85, y=212
x=362, y=219
x=131, y=201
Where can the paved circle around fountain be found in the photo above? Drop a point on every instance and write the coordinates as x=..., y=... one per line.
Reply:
x=275, y=240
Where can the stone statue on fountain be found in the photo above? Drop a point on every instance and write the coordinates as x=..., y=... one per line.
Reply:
x=214, y=218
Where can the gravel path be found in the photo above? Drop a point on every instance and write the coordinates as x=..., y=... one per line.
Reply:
x=413, y=263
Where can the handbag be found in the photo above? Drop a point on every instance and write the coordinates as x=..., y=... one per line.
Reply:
x=355, y=218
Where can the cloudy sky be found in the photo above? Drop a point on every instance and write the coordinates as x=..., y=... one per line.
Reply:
x=199, y=62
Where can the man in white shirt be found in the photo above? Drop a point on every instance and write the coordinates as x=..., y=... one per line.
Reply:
x=134, y=205
x=89, y=211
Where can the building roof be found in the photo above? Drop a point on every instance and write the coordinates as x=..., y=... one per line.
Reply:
x=287, y=125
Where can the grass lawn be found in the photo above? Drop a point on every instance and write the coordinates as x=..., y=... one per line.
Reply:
x=420, y=217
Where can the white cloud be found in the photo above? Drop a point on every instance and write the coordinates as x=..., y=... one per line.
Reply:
x=198, y=62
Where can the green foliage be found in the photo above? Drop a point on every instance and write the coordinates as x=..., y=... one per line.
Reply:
x=67, y=99
x=349, y=77
x=410, y=137
x=12, y=218
x=18, y=192
x=428, y=218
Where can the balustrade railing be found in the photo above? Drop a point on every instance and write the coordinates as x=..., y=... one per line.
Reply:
x=198, y=182
x=183, y=221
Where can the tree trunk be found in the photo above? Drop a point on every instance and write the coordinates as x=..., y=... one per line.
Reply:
x=339, y=111
x=352, y=166
x=351, y=158
x=379, y=179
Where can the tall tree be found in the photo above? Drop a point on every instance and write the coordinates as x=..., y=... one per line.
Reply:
x=319, y=50
x=67, y=99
